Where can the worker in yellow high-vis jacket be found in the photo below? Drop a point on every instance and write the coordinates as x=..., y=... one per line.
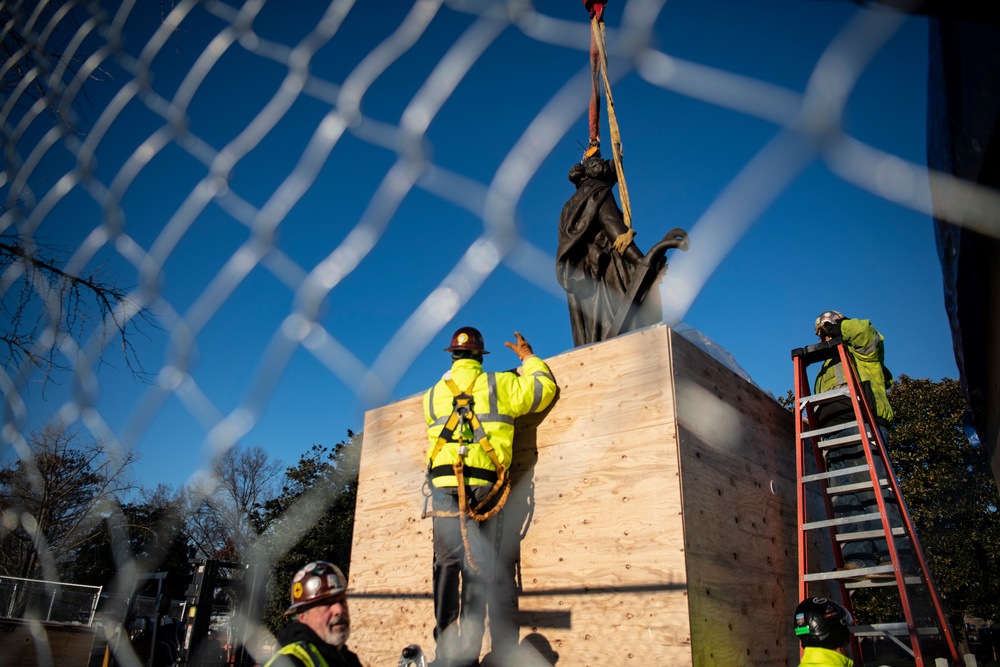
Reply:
x=867, y=350
x=470, y=424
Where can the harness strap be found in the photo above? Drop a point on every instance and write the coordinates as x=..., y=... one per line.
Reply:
x=501, y=481
x=464, y=414
x=472, y=472
x=461, y=404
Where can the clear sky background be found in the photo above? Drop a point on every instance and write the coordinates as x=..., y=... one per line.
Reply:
x=818, y=241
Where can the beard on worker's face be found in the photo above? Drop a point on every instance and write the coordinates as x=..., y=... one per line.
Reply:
x=338, y=630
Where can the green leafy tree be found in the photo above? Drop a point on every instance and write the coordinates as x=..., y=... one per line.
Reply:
x=150, y=531
x=787, y=401
x=952, y=499
x=321, y=490
x=950, y=491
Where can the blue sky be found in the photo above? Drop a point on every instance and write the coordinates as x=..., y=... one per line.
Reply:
x=822, y=242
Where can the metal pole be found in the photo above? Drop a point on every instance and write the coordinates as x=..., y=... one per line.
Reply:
x=10, y=607
x=93, y=607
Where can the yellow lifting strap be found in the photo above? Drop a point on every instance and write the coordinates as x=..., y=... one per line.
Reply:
x=597, y=30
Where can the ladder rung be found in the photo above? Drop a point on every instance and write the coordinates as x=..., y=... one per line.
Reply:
x=849, y=400
x=844, y=521
x=833, y=443
x=823, y=396
x=858, y=486
x=881, y=583
x=868, y=535
x=848, y=574
x=826, y=430
x=880, y=629
x=830, y=474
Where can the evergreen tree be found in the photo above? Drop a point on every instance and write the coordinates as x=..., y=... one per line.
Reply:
x=950, y=491
x=312, y=518
x=151, y=531
x=952, y=498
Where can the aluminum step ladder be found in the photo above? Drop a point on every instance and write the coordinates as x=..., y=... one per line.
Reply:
x=831, y=484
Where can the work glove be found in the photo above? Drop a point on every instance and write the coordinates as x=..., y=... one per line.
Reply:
x=831, y=329
x=522, y=348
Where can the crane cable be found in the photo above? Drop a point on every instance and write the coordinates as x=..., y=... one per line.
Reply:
x=599, y=69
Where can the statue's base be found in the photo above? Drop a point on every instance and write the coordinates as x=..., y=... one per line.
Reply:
x=657, y=503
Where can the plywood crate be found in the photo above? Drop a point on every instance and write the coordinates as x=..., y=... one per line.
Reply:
x=39, y=643
x=655, y=502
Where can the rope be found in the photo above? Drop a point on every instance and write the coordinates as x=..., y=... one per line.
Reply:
x=594, y=116
x=599, y=62
x=461, y=517
x=465, y=512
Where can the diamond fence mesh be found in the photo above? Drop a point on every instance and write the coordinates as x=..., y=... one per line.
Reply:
x=49, y=601
x=198, y=151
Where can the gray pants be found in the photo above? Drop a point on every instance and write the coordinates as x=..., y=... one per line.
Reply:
x=461, y=594
x=865, y=552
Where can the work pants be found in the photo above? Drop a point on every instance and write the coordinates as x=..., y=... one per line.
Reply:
x=461, y=594
x=865, y=552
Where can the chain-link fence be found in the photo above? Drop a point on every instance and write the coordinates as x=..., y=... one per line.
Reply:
x=251, y=195
x=49, y=601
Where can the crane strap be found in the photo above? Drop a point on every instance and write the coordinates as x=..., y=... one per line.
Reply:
x=599, y=70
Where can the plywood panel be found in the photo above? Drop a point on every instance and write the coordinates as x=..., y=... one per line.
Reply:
x=648, y=518
x=739, y=489
x=56, y=644
x=606, y=536
x=390, y=571
x=618, y=518
x=638, y=627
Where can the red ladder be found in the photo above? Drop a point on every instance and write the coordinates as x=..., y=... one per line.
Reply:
x=807, y=430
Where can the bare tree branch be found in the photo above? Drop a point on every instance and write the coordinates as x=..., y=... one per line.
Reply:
x=73, y=305
x=46, y=306
x=225, y=509
x=50, y=504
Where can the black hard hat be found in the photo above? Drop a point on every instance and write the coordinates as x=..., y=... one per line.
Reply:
x=823, y=623
x=832, y=316
x=467, y=339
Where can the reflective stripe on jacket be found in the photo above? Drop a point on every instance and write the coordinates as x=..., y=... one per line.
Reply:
x=499, y=399
x=813, y=656
x=867, y=349
x=304, y=652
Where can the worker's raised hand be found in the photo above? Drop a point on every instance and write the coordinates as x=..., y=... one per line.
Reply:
x=831, y=329
x=522, y=348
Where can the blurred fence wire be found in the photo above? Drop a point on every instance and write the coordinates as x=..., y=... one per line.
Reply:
x=84, y=81
x=49, y=601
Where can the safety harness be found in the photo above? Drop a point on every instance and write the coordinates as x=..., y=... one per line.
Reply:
x=463, y=416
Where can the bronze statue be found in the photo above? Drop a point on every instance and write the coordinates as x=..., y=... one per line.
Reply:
x=607, y=290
